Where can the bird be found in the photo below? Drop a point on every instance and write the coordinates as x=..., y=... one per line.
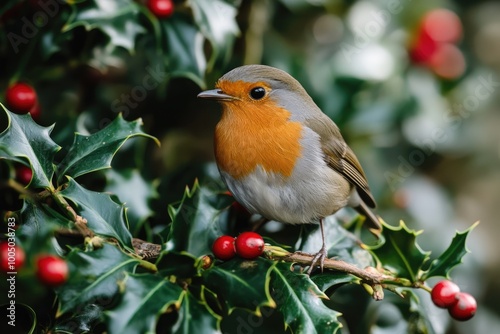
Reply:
x=280, y=156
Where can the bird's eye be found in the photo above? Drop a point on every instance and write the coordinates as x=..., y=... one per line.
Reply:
x=257, y=93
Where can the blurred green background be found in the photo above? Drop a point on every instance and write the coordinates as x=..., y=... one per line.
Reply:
x=424, y=126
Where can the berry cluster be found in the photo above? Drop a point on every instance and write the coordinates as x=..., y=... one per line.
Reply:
x=434, y=45
x=21, y=98
x=461, y=305
x=247, y=245
x=51, y=270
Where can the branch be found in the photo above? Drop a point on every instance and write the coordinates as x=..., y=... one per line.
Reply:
x=369, y=276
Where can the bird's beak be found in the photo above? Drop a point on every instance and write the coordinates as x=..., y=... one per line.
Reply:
x=216, y=94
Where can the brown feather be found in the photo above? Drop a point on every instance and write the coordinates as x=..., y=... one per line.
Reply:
x=340, y=157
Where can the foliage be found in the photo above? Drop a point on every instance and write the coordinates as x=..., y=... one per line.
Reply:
x=138, y=248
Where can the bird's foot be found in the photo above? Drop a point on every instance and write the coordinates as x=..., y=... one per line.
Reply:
x=318, y=259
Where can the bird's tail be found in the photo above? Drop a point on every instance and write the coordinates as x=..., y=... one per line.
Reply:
x=371, y=219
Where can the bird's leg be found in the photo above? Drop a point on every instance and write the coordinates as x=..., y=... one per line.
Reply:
x=320, y=257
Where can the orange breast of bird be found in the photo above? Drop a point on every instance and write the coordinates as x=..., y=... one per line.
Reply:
x=255, y=133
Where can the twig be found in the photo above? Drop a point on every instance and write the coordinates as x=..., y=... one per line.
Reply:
x=372, y=276
x=369, y=276
x=80, y=222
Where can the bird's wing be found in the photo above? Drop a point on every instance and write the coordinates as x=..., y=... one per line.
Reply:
x=340, y=157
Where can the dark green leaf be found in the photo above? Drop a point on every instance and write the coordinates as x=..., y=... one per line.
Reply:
x=38, y=225
x=145, y=296
x=242, y=283
x=196, y=317
x=419, y=320
x=104, y=216
x=451, y=257
x=95, y=152
x=197, y=221
x=24, y=138
x=182, y=265
x=136, y=201
x=328, y=279
x=185, y=45
x=82, y=322
x=399, y=252
x=118, y=19
x=216, y=19
x=94, y=277
x=300, y=302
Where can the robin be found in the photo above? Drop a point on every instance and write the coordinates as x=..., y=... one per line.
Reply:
x=281, y=156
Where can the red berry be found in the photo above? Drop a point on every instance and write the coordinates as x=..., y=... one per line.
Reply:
x=23, y=174
x=223, y=248
x=52, y=270
x=21, y=97
x=11, y=257
x=447, y=62
x=443, y=294
x=442, y=25
x=464, y=308
x=249, y=245
x=423, y=48
x=161, y=8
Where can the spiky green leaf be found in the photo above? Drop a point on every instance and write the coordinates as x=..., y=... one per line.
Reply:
x=451, y=257
x=94, y=277
x=24, y=138
x=118, y=19
x=104, y=216
x=216, y=19
x=399, y=252
x=242, y=283
x=137, y=201
x=301, y=302
x=145, y=297
x=95, y=152
x=195, y=316
x=197, y=220
x=185, y=45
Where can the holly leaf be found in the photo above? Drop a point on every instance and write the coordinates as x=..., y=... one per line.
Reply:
x=117, y=19
x=136, y=201
x=300, y=302
x=39, y=222
x=82, y=322
x=145, y=297
x=328, y=279
x=451, y=257
x=195, y=316
x=185, y=49
x=104, y=216
x=94, y=277
x=181, y=265
x=399, y=252
x=216, y=20
x=24, y=138
x=418, y=309
x=95, y=152
x=242, y=283
x=197, y=220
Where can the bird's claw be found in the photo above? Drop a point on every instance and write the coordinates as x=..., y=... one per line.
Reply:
x=318, y=259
